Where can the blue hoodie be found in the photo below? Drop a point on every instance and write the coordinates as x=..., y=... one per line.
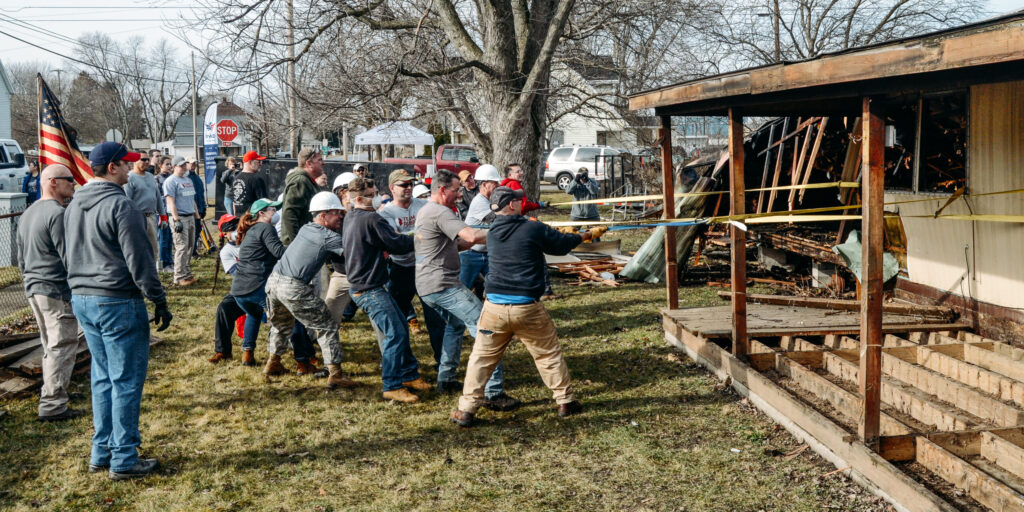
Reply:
x=107, y=251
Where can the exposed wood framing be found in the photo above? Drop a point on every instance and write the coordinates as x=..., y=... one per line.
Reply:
x=846, y=305
x=798, y=168
x=668, y=211
x=979, y=485
x=873, y=176
x=814, y=156
x=738, y=236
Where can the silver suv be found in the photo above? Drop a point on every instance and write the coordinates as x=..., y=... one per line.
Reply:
x=563, y=163
x=13, y=167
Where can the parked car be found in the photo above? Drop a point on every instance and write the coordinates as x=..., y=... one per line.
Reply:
x=13, y=166
x=563, y=162
x=451, y=157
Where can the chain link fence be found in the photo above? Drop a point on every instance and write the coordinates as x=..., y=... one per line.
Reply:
x=13, y=303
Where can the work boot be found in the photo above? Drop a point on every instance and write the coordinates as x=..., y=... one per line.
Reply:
x=188, y=281
x=569, y=409
x=461, y=418
x=218, y=357
x=502, y=402
x=335, y=380
x=315, y=361
x=419, y=384
x=401, y=395
x=414, y=326
x=274, y=366
x=247, y=358
x=141, y=468
x=305, y=368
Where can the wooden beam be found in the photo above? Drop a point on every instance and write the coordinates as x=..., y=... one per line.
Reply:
x=814, y=156
x=798, y=168
x=737, y=236
x=845, y=304
x=668, y=212
x=790, y=135
x=764, y=173
x=1001, y=43
x=778, y=171
x=873, y=176
x=979, y=485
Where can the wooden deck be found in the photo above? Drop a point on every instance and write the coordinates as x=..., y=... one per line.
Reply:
x=766, y=320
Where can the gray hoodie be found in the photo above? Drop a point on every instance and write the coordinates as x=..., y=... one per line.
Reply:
x=108, y=253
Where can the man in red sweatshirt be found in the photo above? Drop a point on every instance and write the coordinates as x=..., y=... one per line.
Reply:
x=513, y=179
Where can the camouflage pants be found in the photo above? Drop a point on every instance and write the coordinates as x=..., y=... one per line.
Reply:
x=289, y=300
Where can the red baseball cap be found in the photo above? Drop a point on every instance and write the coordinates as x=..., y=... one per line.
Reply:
x=252, y=155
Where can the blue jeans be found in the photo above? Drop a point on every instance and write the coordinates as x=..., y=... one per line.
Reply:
x=398, y=364
x=254, y=305
x=166, y=242
x=117, y=331
x=473, y=264
x=228, y=205
x=460, y=309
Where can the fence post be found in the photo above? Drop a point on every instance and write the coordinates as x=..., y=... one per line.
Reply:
x=10, y=202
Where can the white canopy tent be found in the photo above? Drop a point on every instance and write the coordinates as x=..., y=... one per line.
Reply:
x=394, y=132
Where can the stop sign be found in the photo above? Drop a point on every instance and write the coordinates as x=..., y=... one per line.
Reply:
x=227, y=130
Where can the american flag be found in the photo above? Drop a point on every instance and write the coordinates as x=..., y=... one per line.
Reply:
x=58, y=140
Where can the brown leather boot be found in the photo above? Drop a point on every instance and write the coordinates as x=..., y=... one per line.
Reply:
x=401, y=395
x=305, y=368
x=247, y=358
x=274, y=366
x=218, y=357
x=335, y=380
x=418, y=385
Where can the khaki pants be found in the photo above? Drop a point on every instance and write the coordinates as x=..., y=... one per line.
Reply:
x=289, y=300
x=337, y=298
x=184, y=242
x=532, y=324
x=58, y=331
x=151, y=222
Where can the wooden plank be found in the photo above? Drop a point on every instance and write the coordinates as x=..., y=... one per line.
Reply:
x=798, y=166
x=902, y=448
x=775, y=177
x=1003, y=452
x=825, y=437
x=14, y=352
x=811, y=159
x=844, y=305
x=949, y=360
x=843, y=401
x=14, y=339
x=873, y=224
x=737, y=236
x=794, y=344
x=962, y=396
x=981, y=354
x=796, y=131
x=906, y=399
x=668, y=212
x=764, y=172
x=18, y=385
x=986, y=490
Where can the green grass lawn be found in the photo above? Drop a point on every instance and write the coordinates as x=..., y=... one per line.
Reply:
x=657, y=433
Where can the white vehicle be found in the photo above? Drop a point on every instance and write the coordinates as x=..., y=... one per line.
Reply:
x=13, y=166
x=563, y=163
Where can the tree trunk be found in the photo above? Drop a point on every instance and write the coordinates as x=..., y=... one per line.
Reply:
x=516, y=135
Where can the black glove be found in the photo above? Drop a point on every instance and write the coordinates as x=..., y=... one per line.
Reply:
x=178, y=227
x=161, y=315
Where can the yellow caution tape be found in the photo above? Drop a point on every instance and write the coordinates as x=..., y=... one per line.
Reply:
x=659, y=197
x=975, y=217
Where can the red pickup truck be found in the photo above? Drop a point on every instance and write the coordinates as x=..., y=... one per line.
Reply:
x=451, y=157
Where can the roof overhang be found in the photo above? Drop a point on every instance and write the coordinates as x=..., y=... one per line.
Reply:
x=987, y=52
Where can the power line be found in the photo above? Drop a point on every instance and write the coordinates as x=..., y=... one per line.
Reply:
x=73, y=59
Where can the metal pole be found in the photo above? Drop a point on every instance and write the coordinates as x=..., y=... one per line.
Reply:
x=195, y=112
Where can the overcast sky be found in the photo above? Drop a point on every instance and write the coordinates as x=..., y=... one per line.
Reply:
x=124, y=18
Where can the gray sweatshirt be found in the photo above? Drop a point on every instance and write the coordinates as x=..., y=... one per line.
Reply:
x=41, y=246
x=583, y=192
x=108, y=253
x=144, y=192
x=312, y=247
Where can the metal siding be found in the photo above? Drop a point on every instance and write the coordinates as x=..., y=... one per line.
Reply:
x=935, y=254
x=5, y=113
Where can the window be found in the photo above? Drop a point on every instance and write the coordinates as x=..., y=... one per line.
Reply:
x=926, y=143
x=458, y=154
x=587, y=155
x=560, y=155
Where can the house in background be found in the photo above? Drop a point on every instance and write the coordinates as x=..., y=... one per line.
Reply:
x=6, y=91
x=182, y=144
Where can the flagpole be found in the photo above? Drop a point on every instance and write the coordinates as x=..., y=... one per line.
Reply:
x=39, y=126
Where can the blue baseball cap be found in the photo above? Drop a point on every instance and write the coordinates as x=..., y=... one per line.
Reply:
x=106, y=152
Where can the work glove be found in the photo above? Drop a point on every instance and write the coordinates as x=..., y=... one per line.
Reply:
x=161, y=315
x=178, y=226
x=596, y=233
x=568, y=230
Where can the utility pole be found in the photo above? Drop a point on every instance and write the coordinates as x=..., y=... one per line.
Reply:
x=775, y=27
x=291, y=79
x=195, y=108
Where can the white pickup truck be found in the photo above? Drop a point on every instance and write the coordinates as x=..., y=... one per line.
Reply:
x=13, y=166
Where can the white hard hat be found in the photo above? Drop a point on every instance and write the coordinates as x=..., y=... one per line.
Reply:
x=324, y=201
x=419, y=190
x=343, y=180
x=487, y=172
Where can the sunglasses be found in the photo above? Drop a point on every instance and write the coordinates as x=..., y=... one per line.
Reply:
x=65, y=178
x=144, y=159
x=403, y=185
